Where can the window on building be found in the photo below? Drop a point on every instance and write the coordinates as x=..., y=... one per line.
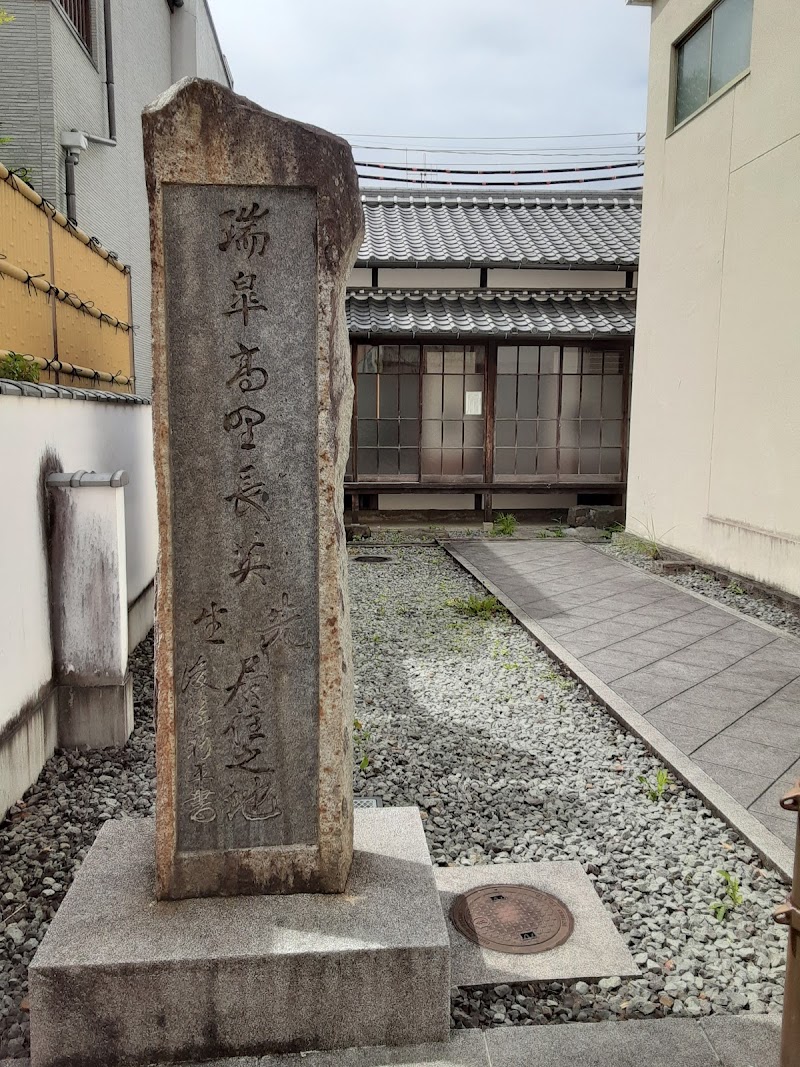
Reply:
x=712, y=55
x=453, y=417
x=79, y=14
x=388, y=411
x=559, y=413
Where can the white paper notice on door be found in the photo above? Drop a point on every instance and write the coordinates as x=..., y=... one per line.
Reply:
x=473, y=403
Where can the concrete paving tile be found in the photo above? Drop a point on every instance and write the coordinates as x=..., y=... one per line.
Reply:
x=683, y=675
x=688, y=624
x=746, y=755
x=710, y=695
x=687, y=736
x=749, y=672
x=615, y=663
x=779, y=709
x=791, y=691
x=742, y=1041
x=700, y=716
x=743, y=786
x=645, y=697
x=747, y=633
x=719, y=659
x=465, y=1048
x=769, y=801
x=784, y=650
x=755, y=726
x=651, y=1042
x=784, y=831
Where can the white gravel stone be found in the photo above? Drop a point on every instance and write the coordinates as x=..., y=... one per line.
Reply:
x=511, y=760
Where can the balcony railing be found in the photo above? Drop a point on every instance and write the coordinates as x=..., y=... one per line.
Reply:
x=79, y=14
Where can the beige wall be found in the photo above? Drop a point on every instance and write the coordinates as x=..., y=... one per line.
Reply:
x=714, y=465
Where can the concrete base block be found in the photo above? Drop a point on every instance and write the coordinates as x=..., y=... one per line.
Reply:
x=595, y=948
x=123, y=979
x=95, y=716
x=26, y=743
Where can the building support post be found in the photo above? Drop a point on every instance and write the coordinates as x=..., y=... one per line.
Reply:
x=788, y=914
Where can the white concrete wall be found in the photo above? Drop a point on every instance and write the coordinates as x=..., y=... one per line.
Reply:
x=38, y=435
x=524, y=278
x=497, y=278
x=50, y=83
x=715, y=431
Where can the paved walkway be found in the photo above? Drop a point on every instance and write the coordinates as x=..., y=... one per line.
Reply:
x=725, y=690
x=718, y=1041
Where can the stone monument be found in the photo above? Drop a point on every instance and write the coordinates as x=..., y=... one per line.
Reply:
x=257, y=916
x=255, y=222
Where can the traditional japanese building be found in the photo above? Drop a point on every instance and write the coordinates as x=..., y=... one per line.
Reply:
x=491, y=341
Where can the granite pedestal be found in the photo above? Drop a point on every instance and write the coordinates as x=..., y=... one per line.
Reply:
x=121, y=978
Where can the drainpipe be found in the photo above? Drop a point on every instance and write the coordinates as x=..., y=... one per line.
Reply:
x=112, y=107
x=788, y=914
x=70, y=163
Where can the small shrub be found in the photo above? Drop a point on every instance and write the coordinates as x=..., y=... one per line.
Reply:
x=18, y=368
x=360, y=738
x=504, y=525
x=655, y=790
x=732, y=897
x=477, y=607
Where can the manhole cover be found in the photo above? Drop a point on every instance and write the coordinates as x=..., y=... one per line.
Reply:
x=512, y=918
x=371, y=559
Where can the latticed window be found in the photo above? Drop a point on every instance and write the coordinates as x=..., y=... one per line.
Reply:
x=79, y=13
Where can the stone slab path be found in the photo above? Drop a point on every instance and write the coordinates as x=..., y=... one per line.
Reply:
x=724, y=689
x=718, y=1041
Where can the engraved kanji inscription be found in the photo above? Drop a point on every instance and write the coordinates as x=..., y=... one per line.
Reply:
x=246, y=685
x=242, y=228
x=249, y=493
x=244, y=300
x=211, y=621
x=248, y=742
x=282, y=622
x=244, y=419
x=250, y=561
x=256, y=803
x=249, y=378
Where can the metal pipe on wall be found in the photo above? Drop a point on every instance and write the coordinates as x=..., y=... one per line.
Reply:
x=110, y=99
x=70, y=162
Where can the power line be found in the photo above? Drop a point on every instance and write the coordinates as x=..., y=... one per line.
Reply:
x=488, y=185
x=466, y=169
x=525, y=137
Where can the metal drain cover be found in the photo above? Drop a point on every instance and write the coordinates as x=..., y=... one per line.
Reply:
x=512, y=918
x=371, y=559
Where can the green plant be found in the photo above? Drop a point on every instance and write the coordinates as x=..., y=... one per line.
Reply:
x=504, y=525
x=647, y=542
x=360, y=738
x=18, y=368
x=478, y=607
x=655, y=790
x=557, y=531
x=732, y=897
x=735, y=588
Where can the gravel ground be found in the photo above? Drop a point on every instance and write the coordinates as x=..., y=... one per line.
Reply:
x=44, y=839
x=758, y=606
x=509, y=760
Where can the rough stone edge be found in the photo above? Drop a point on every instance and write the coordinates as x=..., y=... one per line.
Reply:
x=770, y=848
x=44, y=391
x=174, y=127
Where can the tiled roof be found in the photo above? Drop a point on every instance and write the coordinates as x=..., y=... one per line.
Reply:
x=497, y=314
x=500, y=231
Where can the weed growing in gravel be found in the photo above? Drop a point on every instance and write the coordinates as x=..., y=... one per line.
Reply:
x=735, y=588
x=655, y=790
x=360, y=738
x=504, y=525
x=486, y=607
x=732, y=897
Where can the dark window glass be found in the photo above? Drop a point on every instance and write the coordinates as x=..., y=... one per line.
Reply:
x=712, y=55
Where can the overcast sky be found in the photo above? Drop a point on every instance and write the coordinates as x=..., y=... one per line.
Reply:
x=461, y=68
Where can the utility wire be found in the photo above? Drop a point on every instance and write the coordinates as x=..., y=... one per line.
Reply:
x=487, y=185
x=466, y=169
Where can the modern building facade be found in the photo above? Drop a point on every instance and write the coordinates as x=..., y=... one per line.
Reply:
x=74, y=78
x=715, y=429
x=491, y=342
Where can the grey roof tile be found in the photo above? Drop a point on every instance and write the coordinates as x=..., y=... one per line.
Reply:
x=497, y=314
x=496, y=231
